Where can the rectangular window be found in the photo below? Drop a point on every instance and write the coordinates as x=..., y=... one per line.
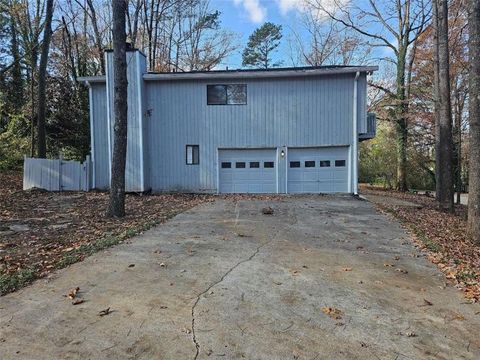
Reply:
x=325, y=163
x=192, y=155
x=309, y=164
x=294, y=164
x=254, y=164
x=233, y=94
x=226, y=165
x=268, y=164
x=240, y=165
x=339, y=163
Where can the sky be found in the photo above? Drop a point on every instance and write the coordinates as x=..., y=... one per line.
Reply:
x=244, y=16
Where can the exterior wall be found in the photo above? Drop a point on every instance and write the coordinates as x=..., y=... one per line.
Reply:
x=135, y=173
x=292, y=112
x=362, y=103
x=99, y=136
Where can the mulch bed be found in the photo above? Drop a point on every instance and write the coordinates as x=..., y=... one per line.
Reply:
x=441, y=235
x=42, y=231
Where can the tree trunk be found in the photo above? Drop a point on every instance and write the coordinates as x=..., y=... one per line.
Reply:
x=443, y=141
x=116, y=207
x=42, y=82
x=16, y=99
x=96, y=32
x=474, y=118
x=401, y=123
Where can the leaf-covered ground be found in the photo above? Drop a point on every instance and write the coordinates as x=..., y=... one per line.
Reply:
x=42, y=231
x=441, y=235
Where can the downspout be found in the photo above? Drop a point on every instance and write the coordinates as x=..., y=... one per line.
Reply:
x=355, y=136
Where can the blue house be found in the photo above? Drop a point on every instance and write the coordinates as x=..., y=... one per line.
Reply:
x=288, y=130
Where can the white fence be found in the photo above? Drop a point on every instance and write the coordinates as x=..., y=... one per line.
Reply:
x=56, y=174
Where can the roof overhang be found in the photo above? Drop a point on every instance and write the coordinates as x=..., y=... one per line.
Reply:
x=91, y=79
x=244, y=74
x=258, y=74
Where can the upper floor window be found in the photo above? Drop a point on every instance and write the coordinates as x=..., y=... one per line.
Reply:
x=233, y=94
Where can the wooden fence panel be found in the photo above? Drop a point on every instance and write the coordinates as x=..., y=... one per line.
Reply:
x=56, y=174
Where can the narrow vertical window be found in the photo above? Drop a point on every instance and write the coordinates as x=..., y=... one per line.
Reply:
x=192, y=155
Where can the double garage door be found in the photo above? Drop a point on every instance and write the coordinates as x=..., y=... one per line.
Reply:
x=308, y=170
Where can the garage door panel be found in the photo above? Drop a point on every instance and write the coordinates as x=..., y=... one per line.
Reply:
x=322, y=170
x=247, y=173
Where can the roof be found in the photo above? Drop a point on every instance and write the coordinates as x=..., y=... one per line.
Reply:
x=248, y=73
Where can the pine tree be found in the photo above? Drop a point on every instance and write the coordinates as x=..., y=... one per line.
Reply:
x=261, y=44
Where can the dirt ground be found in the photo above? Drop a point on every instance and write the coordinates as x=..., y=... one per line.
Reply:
x=43, y=231
x=442, y=236
x=320, y=278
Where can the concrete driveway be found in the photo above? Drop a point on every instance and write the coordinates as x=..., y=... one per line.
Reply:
x=225, y=281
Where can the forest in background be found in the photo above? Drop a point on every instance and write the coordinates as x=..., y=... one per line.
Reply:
x=184, y=35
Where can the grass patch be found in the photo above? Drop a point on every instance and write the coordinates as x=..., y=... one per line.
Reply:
x=466, y=276
x=12, y=282
x=428, y=243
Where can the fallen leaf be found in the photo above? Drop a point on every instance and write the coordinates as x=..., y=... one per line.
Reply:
x=347, y=269
x=267, y=211
x=131, y=265
x=429, y=303
x=387, y=265
x=104, y=312
x=73, y=293
x=332, y=312
x=402, y=271
x=78, y=301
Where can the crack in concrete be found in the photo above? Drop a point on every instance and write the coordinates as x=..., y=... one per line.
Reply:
x=194, y=338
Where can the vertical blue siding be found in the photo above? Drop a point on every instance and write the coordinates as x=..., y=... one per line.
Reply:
x=294, y=112
x=135, y=172
x=100, y=154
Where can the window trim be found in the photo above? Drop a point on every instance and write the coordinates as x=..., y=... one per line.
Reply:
x=193, y=156
x=226, y=94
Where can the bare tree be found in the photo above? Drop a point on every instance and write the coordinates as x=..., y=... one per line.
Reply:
x=116, y=206
x=327, y=42
x=394, y=25
x=443, y=111
x=42, y=78
x=473, y=226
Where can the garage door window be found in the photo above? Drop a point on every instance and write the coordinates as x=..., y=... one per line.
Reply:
x=339, y=163
x=294, y=164
x=192, y=155
x=309, y=164
x=254, y=165
x=240, y=165
x=325, y=163
x=226, y=165
x=268, y=164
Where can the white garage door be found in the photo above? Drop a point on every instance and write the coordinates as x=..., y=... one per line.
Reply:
x=247, y=171
x=318, y=170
